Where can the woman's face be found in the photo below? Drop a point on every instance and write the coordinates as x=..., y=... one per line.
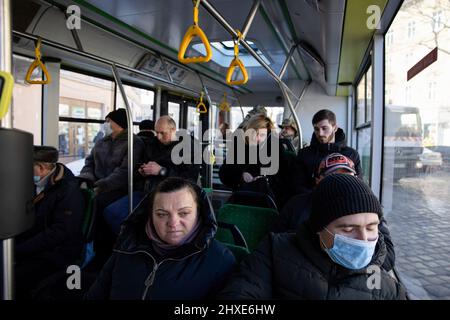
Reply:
x=258, y=136
x=174, y=215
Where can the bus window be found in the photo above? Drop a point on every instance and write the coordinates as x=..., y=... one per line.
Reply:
x=416, y=166
x=140, y=100
x=83, y=104
x=174, y=112
x=26, y=106
x=193, y=122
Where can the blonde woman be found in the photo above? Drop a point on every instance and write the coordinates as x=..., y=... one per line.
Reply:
x=248, y=175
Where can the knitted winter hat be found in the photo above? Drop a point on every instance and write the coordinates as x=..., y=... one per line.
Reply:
x=119, y=116
x=339, y=195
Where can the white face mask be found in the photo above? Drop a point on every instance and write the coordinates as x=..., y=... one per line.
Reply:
x=107, y=128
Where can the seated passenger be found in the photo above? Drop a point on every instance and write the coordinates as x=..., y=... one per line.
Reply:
x=147, y=129
x=158, y=157
x=167, y=249
x=298, y=209
x=337, y=254
x=107, y=168
x=157, y=166
x=327, y=138
x=247, y=175
x=55, y=240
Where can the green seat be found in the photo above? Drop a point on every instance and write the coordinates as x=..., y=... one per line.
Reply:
x=88, y=216
x=238, y=251
x=253, y=222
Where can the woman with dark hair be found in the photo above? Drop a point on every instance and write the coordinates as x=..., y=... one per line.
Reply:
x=166, y=249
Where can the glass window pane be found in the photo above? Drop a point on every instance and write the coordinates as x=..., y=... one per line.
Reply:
x=85, y=97
x=364, y=146
x=76, y=139
x=416, y=171
x=174, y=112
x=369, y=94
x=193, y=121
x=140, y=100
x=360, y=103
x=26, y=101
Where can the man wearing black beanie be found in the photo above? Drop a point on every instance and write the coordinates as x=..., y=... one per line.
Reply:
x=337, y=254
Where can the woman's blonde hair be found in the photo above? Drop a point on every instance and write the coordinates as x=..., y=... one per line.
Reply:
x=260, y=121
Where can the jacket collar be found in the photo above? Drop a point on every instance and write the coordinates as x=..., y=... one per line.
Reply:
x=308, y=243
x=55, y=177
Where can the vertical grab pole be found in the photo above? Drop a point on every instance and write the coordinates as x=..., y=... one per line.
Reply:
x=210, y=142
x=130, y=136
x=294, y=115
x=5, y=65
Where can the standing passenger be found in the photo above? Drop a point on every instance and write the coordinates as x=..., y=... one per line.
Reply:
x=167, y=250
x=327, y=138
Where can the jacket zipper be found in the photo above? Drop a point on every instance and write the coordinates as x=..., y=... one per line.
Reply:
x=151, y=277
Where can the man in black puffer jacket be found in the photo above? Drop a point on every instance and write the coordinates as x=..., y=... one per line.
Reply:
x=337, y=254
x=55, y=241
x=327, y=138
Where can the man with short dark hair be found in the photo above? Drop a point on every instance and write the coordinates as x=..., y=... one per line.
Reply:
x=55, y=241
x=327, y=138
x=337, y=254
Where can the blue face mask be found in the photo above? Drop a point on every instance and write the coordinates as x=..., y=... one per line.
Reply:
x=36, y=179
x=351, y=253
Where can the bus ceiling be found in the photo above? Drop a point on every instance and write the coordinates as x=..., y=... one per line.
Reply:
x=327, y=41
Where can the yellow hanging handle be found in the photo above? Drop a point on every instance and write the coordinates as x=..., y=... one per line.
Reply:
x=224, y=105
x=236, y=62
x=201, y=108
x=6, y=89
x=38, y=63
x=193, y=31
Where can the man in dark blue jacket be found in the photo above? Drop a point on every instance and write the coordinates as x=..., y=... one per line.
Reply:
x=327, y=138
x=55, y=240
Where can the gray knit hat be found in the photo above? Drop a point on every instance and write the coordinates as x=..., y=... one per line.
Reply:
x=339, y=195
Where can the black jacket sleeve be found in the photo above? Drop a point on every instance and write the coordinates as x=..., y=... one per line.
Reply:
x=119, y=177
x=253, y=279
x=66, y=224
x=300, y=175
x=101, y=288
x=389, y=262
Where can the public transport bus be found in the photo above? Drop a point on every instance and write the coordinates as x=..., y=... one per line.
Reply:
x=382, y=67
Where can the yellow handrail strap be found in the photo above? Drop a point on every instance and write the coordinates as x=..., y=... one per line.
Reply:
x=193, y=31
x=38, y=63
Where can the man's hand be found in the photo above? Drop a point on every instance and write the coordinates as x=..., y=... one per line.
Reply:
x=150, y=169
x=247, y=177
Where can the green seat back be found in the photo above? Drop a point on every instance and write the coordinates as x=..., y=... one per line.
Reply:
x=253, y=222
x=238, y=251
x=88, y=216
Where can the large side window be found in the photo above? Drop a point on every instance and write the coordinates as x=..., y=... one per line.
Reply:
x=83, y=104
x=141, y=102
x=416, y=163
x=363, y=111
x=27, y=98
